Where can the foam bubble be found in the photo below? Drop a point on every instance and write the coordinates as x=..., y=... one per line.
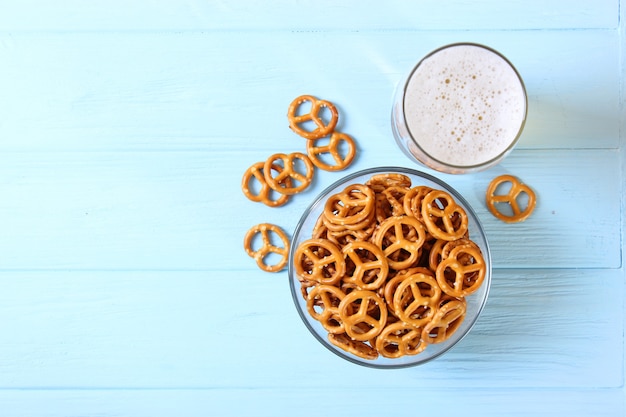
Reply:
x=469, y=91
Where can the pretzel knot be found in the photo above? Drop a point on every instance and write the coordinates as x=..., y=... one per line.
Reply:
x=315, y=152
x=364, y=314
x=323, y=305
x=266, y=231
x=401, y=238
x=443, y=217
x=368, y=266
x=511, y=198
x=319, y=260
x=298, y=122
x=288, y=180
x=265, y=194
x=351, y=206
x=445, y=321
x=416, y=299
x=462, y=272
x=355, y=347
x=399, y=339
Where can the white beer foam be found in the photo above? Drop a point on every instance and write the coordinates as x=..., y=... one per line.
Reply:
x=464, y=105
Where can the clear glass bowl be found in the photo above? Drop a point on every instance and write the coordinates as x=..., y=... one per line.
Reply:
x=475, y=301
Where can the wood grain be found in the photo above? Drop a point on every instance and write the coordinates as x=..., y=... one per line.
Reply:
x=125, y=128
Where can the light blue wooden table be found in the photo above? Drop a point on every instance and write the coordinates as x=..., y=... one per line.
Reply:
x=125, y=128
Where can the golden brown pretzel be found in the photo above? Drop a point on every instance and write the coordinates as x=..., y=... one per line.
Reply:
x=369, y=264
x=416, y=299
x=264, y=195
x=323, y=305
x=298, y=122
x=400, y=339
x=401, y=238
x=462, y=272
x=355, y=347
x=364, y=314
x=319, y=260
x=266, y=230
x=445, y=322
x=288, y=180
x=510, y=198
x=443, y=217
x=333, y=148
x=353, y=205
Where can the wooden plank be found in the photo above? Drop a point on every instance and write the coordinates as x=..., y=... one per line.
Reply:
x=116, y=15
x=186, y=211
x=188, y=91
x=362, y=400
x=234, y=329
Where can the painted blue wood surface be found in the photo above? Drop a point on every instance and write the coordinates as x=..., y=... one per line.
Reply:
x=125, y=128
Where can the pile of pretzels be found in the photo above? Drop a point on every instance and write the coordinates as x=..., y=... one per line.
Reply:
x=388, y=266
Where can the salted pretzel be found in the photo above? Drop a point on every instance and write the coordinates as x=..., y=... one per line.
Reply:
x=323, y=305
x=319, y=260
x=298, y=122
x=368, y=264
x=265, y=194
x=401, y=238
x=510, y=198
x=351, y=206
x=364, y=314
x=333, y=148
x=266, y=231
x=412, y=203
x=445, y=322
x=443, y=217
x=462, y=272
x=407, y=264
x=400, y=339
x=355, y=347
x=416, y=299
x=297, y=182
x=380, y=182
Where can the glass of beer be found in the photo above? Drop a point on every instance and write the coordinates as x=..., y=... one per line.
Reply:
x=461, y=109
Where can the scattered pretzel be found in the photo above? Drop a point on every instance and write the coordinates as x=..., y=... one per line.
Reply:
x=265, y=193
x=297, y=122
x=400, y=261
x=510, y=198
x=266, y=231
x=333, y=148
x=298, y=180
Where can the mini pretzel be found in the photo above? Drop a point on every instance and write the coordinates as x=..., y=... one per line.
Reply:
x=364, y=314
x=443, y=217
x=399, y=339
x=355, y=347
x=319, y=260
x=462, y=272
x=353, y=205
x=266, y=230
x=416, y=299
x=255, y=172
x=336, y=139
x=369, y=273
x=297, y=122
x=445, y=322
x=289, y=174
x=510, y=198
x=379, y=182
x=401, y=238
x=323, y=305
